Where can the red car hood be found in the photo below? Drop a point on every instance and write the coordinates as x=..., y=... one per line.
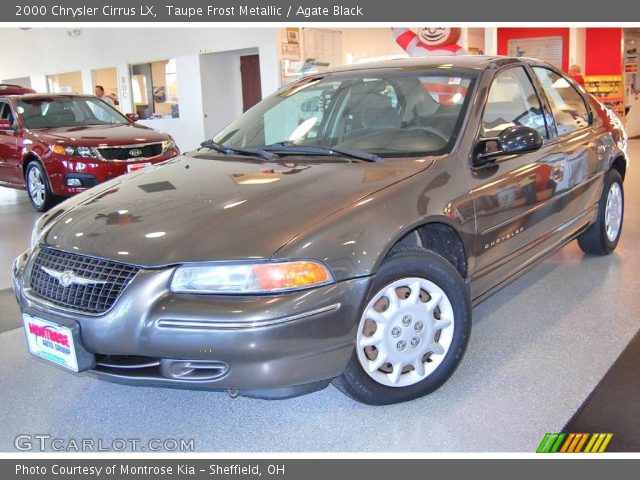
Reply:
x=100, y=135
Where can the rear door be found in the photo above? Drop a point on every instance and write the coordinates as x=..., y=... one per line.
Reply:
x=513, y=197
x=9, y=157
x=583, y=143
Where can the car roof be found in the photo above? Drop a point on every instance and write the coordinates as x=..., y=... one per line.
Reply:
x=7, y=89
x=477, y=62
x=36, y=96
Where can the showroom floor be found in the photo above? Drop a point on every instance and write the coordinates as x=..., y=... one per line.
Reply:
x=538, y=349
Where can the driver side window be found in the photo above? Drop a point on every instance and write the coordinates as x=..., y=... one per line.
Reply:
x=512, y=102
x=5, y=112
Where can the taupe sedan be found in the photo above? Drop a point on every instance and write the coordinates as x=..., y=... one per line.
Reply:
x=339, y=231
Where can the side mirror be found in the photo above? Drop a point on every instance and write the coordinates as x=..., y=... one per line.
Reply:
x=133, y=117
x=5, y=124
x=511, y=141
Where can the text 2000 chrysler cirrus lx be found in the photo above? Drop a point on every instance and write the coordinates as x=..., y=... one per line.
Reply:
x=339, y=231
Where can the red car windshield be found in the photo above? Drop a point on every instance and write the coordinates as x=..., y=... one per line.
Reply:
x=53, y=112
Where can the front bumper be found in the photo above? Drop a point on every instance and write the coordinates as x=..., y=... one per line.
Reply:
x=91, y=171
x=267, y=346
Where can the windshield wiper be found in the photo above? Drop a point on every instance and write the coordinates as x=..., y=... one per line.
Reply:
x=258, y=152
x=290, y=147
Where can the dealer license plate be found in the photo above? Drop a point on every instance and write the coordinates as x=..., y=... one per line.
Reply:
x=50, y=341
x=137, y=166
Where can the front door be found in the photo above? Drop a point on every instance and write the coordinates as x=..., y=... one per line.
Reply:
x=9, y=157
x=513, y=197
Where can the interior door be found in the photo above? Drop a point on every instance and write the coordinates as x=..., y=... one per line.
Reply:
x=143, y=81
x=251, y=83
x=514, y=196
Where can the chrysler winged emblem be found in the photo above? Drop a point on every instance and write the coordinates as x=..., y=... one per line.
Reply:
x=69, y=277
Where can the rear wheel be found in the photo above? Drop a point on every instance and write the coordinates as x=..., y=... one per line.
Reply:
x=602, y=237
x=38, y=187
x=413, y=331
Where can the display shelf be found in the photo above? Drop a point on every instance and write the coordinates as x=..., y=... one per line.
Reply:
x=609, y=90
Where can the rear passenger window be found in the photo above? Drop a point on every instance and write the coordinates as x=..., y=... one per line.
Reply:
x=512, y=102
x=567, y=104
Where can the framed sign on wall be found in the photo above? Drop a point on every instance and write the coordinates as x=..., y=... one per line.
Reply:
x=547, y=49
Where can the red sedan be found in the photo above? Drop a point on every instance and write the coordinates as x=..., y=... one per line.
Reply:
x=57, y=145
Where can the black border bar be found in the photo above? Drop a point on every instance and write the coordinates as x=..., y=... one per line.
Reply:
x=423, y=12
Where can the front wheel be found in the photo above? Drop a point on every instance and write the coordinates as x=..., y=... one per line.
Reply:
x=602, y=237
x=38, y=189
x=413, y=330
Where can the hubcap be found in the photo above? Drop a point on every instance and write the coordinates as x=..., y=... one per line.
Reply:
x=405, y=332
x=613, y=212
x=36, y=186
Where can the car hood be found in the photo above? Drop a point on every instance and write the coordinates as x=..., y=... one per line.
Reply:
x=194, y=209
x=100, y=135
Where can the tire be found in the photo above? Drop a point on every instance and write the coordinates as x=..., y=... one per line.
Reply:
x=417, y=318
x=38, y=188
x=602, y=237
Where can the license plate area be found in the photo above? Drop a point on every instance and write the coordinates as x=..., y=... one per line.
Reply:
x=133, y=167
x=57, y=342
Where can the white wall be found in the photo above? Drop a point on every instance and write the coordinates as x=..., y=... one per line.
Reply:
x=577, y=44
x=40, y=51
x=360, y=44
x=188, y=130
x=221, y=89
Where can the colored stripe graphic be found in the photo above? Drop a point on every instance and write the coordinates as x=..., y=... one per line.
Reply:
x=574, y=443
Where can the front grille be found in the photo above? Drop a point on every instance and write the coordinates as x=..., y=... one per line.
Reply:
x=131, y=152
x=94, y=298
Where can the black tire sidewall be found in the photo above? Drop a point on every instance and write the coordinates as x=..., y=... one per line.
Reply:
x=612, y=177
x=428, y=265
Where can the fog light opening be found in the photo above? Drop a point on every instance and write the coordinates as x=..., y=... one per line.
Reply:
x=73, y=182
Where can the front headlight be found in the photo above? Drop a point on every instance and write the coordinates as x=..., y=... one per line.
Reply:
x=252, y=278
x=168, y=145
x=84, y=152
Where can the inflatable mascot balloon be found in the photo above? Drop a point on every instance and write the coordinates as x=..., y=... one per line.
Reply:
x=429, y=41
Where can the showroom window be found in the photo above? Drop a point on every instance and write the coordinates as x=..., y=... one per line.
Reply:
x=70, y=82
x=155, y=89
x=567, y=104
x=512, y=102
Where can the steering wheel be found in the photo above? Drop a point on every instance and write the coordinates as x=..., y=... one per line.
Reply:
x=415, y=122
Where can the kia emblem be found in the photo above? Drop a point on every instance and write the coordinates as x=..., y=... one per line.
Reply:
x=136, y=152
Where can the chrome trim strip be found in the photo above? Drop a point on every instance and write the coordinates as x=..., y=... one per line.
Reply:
x=72, y=278
x=217, y=325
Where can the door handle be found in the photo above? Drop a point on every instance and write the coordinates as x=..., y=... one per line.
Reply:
x=557, y=173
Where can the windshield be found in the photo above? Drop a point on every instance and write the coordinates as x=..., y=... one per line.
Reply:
x=391, y=112
x=68, y=112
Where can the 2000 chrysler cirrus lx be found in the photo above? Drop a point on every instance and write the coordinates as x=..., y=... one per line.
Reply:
x=339, y=231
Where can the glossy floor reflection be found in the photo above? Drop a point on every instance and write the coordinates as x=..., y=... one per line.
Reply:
x=538, y=348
